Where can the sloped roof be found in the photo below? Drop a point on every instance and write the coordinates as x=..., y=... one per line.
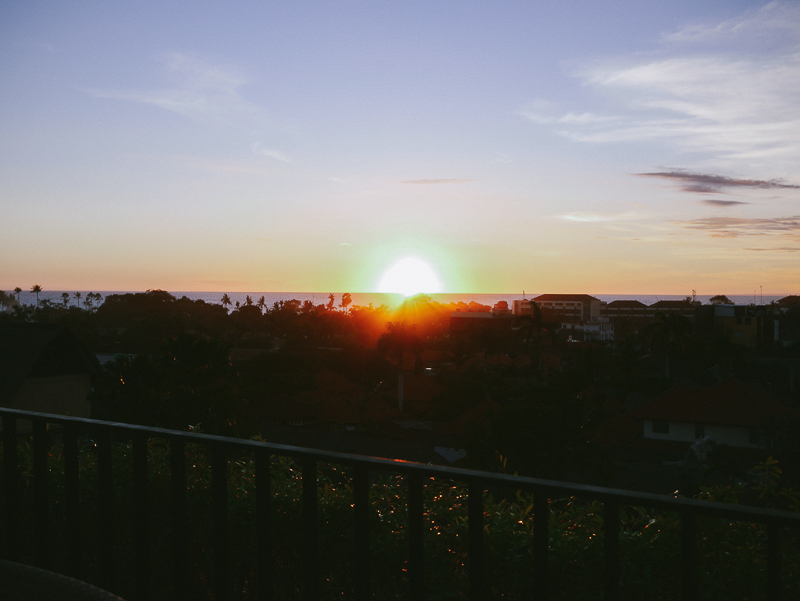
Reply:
x=31, y=350
x=792, y=299
x=730, y=403
x=626, y=304
x=569, y=298
x=671, y=304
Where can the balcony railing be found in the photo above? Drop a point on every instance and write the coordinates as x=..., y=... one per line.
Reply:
x=36, y=534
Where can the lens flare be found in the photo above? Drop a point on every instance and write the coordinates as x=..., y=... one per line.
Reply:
x=408, y=277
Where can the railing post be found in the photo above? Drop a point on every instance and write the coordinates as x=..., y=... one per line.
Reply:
x=541, y=543
x=177, y=460
x=106, y=509
x=219, y=491
x=416, y=561
x=361, y=565
x=475, y=524
x=72, y=501
x=140, y=517
x=688, y=556
x=311, y=576
x=11, y=487
x=264, y=559
x=774, y=588
x=40, y=510
x=611, y=550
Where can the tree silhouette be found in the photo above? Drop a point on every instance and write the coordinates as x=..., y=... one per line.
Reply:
x=77, y=296
x=720, y=299
x=346, y=300
x=226, y=300
x=36, y=289
x=331, y=302
x=89, y=300
x=65, y=298
x=17, y=290
x=262, y=303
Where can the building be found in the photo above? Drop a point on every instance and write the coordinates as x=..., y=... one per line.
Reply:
x=578, y=315
x=626, y=308
x=792, y=300
x=681, y=307
x=577, y=306
x=522, y=307
x=731, y=413
x=748, y=325
x=45, y=368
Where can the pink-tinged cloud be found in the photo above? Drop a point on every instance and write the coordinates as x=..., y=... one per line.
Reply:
x=704, y=183
x=723, y=203
x=733, y=227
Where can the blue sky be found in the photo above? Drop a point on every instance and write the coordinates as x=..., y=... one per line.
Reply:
x=633, y=147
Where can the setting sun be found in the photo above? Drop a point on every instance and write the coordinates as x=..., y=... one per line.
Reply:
x=408, y=277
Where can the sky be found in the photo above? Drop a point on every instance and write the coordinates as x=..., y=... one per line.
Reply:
x=640, y=147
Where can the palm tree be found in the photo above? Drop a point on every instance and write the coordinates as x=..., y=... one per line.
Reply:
x=262, y=302
x=248, y=301
x=65, y=298
x=36, y=289
x=77, y=296
x=88, y=300
x=226, y=300
x=17, y=290
x=346, y=300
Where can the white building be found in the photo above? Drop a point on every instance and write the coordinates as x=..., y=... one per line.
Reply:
x=730, y=413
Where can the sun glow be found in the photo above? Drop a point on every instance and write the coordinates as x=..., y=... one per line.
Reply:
x=408, y=277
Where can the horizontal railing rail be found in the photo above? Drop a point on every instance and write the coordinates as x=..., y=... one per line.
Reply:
x=222, y=449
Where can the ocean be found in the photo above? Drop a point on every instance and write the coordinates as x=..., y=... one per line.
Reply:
x=377, y=299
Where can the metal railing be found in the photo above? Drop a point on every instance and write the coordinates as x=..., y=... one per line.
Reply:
x=223, y=449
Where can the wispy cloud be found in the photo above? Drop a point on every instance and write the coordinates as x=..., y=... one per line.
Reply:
x=723, y=203
x=732, y=96
x=271, y=153
x=198, y=90
x=781, y=249
x=705, y=183
x=733, y=227
x=776, y=19
x=438, y=181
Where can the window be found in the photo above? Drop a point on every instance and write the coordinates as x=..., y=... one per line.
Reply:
x=660, y=426
x=699, y=430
